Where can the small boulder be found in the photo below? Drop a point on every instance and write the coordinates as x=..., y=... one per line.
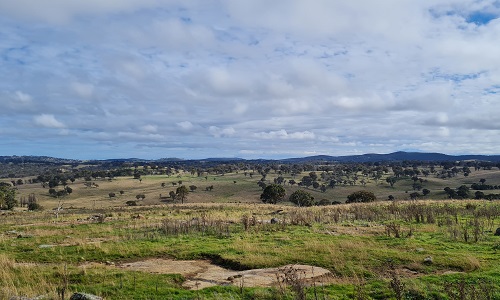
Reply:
x=275, y=221
x=84, y=296
x=428, y=260
x=24, y=236
x=109, y=263
x=497, y=232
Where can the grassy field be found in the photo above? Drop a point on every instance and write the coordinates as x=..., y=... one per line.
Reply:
x=426, y=249
x=235, y=188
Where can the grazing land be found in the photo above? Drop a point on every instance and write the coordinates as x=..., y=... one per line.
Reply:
x=132, y=233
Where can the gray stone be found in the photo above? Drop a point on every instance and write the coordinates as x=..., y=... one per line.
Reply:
x=275, y=221
x=24, y=236
x=428, y=260
x=84, y=296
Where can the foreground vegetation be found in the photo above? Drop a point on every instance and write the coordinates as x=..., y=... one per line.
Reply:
x=75, y=227
x=398, y=250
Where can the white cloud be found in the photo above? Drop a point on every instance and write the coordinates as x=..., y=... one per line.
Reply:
x=149, y=128
x=332, y=77
x=221, y=132
x=23, y=98
x=83, y=90
x=185, y=125
x=59, y=11
x=283, y=134
x=48, y=121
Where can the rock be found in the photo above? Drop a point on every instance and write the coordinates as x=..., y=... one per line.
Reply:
x=497, y=232
x=231, y=278
x=428, y=260
x=83, y=296
x=24, y=236
x=46, y=246
x=109, y=263
x=420, y=249
x=275, y=221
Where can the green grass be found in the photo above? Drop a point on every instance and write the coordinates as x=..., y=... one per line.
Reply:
x=356, y=248
x=348, y=240
x=245, y=190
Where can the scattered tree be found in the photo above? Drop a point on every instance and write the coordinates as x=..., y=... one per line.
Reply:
x=391, y=180
x=7, y=196
x=414, y=196
x=301, y=198
x=307, y=181
x=273, y=193
x=181, y=193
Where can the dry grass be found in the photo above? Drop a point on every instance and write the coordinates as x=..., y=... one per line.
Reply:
x=23, y=280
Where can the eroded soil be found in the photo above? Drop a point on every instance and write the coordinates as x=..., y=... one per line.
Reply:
x=202, y=273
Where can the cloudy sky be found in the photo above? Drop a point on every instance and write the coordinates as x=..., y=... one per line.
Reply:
x=248, y=78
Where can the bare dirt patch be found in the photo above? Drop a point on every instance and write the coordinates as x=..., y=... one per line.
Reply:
x=201, y=273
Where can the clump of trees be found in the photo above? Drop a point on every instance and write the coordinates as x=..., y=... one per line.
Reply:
x=361, y=197
x=60, y=193
x=33, y=203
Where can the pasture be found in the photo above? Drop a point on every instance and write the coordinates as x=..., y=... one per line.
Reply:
x=431, y=248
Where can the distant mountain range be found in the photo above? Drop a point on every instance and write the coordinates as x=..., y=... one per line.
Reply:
x=371, y=157
x=396, y=156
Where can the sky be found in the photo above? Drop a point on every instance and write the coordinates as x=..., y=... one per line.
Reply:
x=93, y=79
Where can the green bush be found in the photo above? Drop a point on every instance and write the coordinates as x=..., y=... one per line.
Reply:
x=34, y=206
x=361, y=196
x=131, y=203
x=301, y=198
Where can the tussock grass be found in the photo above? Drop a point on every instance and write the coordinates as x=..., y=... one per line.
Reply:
x=349, y=240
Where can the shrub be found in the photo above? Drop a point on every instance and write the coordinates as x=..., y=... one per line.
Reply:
x=361, y=196
x=131, y=203
x=34, y=206
x=323, y=202
x=301, y=198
